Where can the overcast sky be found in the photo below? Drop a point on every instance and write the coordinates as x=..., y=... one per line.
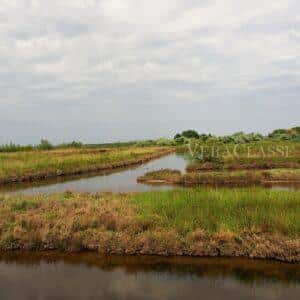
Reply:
x=107, y=70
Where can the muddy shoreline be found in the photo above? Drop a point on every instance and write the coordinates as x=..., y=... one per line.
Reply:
x=247, y=245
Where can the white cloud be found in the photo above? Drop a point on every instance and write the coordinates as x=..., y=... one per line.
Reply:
x=111, y=54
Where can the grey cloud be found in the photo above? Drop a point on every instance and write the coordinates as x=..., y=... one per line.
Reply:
x=135, y=64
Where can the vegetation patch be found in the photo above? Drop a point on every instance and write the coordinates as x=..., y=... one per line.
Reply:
x=37, y=165
x=161, y=176
x=291, y=134
x=222, y=177
x=247, y=222
x=241, y=177
x=243, y=163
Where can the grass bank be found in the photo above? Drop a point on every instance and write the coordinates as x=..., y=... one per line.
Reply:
x=255, y=223
x=243, y=177
x=244, y=163
x=36, y=165
x=252, y=156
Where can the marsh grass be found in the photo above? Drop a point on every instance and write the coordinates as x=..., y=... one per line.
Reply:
x=64, y=161
x=169, y=175
x=243, y=177
x=222, y=177
x=256, y=155
x=199, y=222
x=213, y=210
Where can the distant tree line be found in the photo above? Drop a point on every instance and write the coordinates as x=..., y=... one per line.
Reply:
x=43, y=145
x=292, y=134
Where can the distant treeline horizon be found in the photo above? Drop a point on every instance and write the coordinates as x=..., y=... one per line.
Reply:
x=291, y=134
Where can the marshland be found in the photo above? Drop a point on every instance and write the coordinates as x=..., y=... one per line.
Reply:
x=149, y=150
x=190, y=196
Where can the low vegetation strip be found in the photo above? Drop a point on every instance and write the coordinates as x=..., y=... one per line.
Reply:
x=167, y=176
x=36, y=165
x=247, y=164
x=255, y=223
x=161, y=176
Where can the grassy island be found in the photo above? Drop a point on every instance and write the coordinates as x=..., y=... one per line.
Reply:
x=247, y=222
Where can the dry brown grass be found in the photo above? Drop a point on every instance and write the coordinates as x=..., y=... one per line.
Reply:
x=244, y=177
x=161, y=176
x=110, y=223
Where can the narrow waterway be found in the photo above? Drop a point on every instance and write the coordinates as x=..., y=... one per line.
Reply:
x=44, y=276
x=89, y=276
x=118, y=180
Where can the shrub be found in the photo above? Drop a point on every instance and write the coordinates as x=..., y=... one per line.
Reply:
x=15, y=148
x=208, y=156
x=204, y=137
x=296, y=129
x=146, y=143
x=165, y=142
x=73, y=144
x=191, y=133
x=45, y=145
x=180, y=140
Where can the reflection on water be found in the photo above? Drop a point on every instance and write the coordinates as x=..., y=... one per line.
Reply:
x=119, y=180
x=88, y=276
x=122, y=180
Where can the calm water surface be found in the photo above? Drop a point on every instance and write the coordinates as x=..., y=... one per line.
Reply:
x=122, y=180
x=88, y=276
x=119, y=180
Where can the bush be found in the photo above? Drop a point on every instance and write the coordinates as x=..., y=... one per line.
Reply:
x=165, y=142
x=180, y=140
x=208, y=156
x=45, y=145
x=190, y=134
x=15, y=148
x=296, y=129
x=204, y=137
x=242, y=138
x=146, y=143
x=73, y=144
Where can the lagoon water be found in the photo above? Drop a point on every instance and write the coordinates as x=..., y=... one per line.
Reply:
x=88, y=276
x=120, y=180
x=117, y=181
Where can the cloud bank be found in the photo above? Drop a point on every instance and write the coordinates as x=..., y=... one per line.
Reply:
x=104, y=70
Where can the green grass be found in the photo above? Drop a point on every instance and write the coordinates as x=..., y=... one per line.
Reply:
x=213, y=210
x=223, y=177
x=169, y=175
x=46, y=145
x=67, y=160
x=203, y=222
x=264, y=154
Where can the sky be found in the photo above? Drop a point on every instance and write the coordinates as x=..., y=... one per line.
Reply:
x=117, y=70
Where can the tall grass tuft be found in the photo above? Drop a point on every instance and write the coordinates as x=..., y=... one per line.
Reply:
x=235, y=210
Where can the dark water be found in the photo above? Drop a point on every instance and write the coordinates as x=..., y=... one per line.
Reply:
x=88, y=276
x=122, y=180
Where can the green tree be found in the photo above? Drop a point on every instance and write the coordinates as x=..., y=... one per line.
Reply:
x=45, y=145
x=191, y=133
